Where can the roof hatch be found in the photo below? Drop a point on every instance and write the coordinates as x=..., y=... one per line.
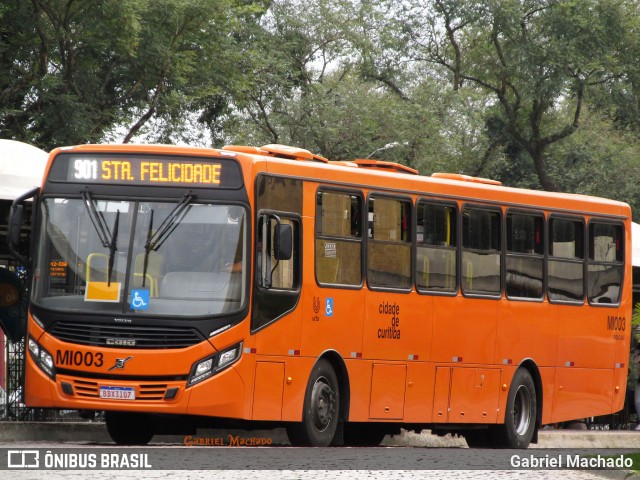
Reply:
x=466, y=178
x=395, y=167
x=277, y=150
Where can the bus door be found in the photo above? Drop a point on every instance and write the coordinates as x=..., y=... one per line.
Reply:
x=275, y=318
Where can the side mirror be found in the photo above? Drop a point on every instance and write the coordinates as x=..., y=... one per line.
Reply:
x=14, y=227
x=283, y=242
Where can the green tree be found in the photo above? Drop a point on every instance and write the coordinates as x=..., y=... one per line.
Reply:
x=71, y=70
x=311, y=89
x=537, y=60
x=299, y=47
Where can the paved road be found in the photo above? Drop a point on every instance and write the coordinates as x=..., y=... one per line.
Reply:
x=252, y=463
x=309, y=475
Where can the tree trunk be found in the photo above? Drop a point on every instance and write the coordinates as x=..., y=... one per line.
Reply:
x=538, y=160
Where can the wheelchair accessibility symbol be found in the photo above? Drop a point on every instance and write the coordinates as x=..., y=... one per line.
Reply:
x=328, y=311
x=139, y=299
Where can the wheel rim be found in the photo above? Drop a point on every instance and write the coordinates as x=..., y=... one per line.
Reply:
x=322, y=404
x=522, y=410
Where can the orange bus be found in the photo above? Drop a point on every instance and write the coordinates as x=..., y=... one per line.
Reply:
x=176, y=288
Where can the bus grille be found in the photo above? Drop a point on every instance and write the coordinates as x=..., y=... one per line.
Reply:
x=89, y=389
x=125, y=336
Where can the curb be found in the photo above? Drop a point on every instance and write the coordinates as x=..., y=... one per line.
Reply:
x=53, y=432
x=546, y=439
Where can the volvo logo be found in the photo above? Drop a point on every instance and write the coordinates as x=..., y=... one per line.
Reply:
x=123, y=320
x=120, y=342
x=119, y=365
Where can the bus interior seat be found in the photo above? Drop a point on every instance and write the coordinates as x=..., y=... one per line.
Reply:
x=438, y=269
x=330, y=268
x=450, y=269
x=97, y=267
x=155, y=267
x=425, y=271
x=467, y=267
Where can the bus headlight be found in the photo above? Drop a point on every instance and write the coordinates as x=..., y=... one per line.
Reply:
x=204, y=368
x=43, y=359
x=209, y=366
x=227, y=358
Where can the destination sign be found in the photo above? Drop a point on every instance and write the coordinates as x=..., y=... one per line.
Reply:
x=146, y=170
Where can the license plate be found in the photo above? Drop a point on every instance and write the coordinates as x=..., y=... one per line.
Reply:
x=118, y=393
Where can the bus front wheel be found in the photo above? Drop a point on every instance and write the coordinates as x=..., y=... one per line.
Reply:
x=126, y=428
x=321, y=409
x=521, y=413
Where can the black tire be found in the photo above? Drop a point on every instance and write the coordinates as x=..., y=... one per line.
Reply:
x=321, y=409
x=126, y=428
x=477, y=438
x=520, y=415
x=363, y=435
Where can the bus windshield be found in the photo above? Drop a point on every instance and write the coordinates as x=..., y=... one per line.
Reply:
x=141, y=257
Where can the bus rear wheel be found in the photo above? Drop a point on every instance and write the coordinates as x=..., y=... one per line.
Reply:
x=521, y=413
x=127, y=428
x=321, y=409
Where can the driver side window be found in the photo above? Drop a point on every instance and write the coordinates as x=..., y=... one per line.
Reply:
x=272, y=270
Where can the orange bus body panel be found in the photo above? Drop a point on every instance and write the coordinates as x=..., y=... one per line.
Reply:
x=403, y=356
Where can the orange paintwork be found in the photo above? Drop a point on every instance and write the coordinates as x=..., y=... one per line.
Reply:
x=442, y=359
x=267, y=390
x=388, y=386
x=473, y=395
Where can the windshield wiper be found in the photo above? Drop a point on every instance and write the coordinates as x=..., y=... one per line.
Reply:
x=97, y=219
x=112, y=247
x=166, y=228
x=169, y=224
x=107, y=238
x=147, y=250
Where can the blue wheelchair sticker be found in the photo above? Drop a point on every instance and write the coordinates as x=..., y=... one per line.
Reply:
x=328, y=311
x=139, y=299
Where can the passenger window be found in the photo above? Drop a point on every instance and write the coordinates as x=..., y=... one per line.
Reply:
x=606, y=257
x=338, y=247
x=480, y=252
x=525, y=256
x=566, y=262
x=389, y=247
x=436, y=247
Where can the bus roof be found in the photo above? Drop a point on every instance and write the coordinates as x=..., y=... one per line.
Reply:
x=447, y=185
x=381, y=176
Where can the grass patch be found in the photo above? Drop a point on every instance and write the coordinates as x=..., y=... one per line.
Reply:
x=635, y=457
x=636, y=461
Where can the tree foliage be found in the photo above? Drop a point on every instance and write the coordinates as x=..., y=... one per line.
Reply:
x=71, y=70
x=537, y=60
x=536, y=93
